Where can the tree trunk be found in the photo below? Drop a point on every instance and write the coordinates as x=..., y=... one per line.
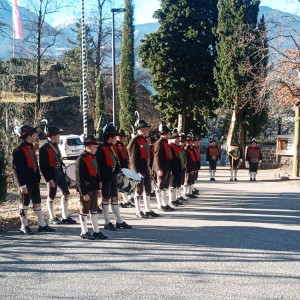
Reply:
x=181, y=123
x=296, y=142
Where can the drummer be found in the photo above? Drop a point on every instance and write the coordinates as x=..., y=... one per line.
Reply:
x=51, y=168
x=124, y=162
x=109, y=164
x=139, y=156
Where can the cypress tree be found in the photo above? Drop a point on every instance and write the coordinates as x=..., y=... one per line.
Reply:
x=237, y=64
x=180, y=56
x=99, y=102
x=127, y=82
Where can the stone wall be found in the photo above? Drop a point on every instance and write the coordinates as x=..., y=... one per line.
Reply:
x=269, y=158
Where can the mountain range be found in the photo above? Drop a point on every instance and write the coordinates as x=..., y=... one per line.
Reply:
x=63, y=31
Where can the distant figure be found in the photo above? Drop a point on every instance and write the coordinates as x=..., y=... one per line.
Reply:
x=213, y=155
x=254, y=157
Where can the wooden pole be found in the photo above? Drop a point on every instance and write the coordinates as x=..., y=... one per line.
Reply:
x=296, y=142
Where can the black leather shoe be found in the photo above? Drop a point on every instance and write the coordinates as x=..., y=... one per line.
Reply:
x=180, y=198
x=123, y=225
x=141, y=215
x=254, y=179
x=195, y=192
x=99, y=210
x=169, y=208
x=192, y=196
x=110, y=226
x=130, y=204
x=250, y=179
x=163, y=208
x=87, y=236
x=123, y=205
x=46, y=229
x=68, y=220
x=211, y=179
x=179, y=202
x=55, y=221
x=26, y=230
x=152, y=195
x=231, y=179
x=152, y=214
x=175, y=203
x=100, y=236
x=235, y=179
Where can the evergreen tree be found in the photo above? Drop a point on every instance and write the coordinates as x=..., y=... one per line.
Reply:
x=127, y=81
x=241, y=63
x=180, y=56
x=99, y=103
x=3, y=189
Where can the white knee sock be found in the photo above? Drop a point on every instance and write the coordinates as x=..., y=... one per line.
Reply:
x=147, y=202
x=158, y=198
x=39, y=214
x=172, y=195
x=185, y=190
x=214, y=173
x=190, y=189
x=83, y=223
x=23, y=215
x=105, y=211
x=235, y=173
x=50, y=206
x=64, y=207
x=254, y=175
x=116, y=211
x=164, y=200
x=125, y=198
x=210, y=173
x=94, y=219
x=137, y=203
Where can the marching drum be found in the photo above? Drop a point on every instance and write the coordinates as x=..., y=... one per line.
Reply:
x=128, y=180
x=70, y=175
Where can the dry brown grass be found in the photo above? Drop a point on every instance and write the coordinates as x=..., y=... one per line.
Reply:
x=9, y=210
x=25, y=97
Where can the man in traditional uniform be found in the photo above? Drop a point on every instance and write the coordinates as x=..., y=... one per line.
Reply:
x=162, y=166
x=213, y=155
x=196, y=149
x=181, y=191
x=254, y=157
x=235, y=157
x=109, y=164
x=177, y=168
x=88, y=184
x=27, y=173
x=124, y=163
x=139, y=157
x=190, y=168
x=51, y=168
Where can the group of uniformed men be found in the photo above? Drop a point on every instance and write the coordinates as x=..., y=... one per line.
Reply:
x=169, y=162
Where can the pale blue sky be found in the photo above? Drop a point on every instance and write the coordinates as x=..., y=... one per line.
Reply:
x=144, y=9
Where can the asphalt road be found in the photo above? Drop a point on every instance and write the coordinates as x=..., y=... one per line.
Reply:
x=238, y=240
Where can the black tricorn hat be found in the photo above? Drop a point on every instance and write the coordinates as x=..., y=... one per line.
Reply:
x=182, y=137
x=197, y=138
x=53, y=130
x=90, y=140
x=141, y=124
x=121, y=133
x=26, y=130
x=163, y=128
x=175, y=134
x=109, y=130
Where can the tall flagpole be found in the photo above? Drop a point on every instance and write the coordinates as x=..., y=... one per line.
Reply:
x=84, y=71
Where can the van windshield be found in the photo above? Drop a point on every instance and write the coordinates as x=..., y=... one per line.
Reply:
x=74, y=142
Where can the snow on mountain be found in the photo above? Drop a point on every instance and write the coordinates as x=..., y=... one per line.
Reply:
x=65, y=22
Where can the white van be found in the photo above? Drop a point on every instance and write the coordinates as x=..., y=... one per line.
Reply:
x=70, y=145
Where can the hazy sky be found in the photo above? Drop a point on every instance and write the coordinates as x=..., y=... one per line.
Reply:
x=144, y=9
